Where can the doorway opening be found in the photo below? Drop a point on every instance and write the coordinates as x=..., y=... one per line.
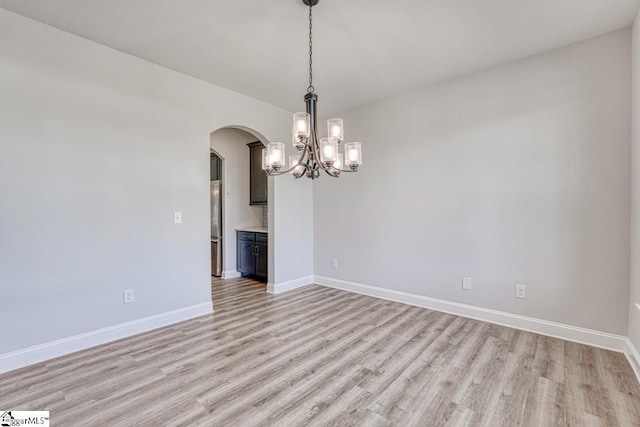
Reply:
x=233, y=171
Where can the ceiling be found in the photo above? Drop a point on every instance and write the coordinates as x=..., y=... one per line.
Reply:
x=363, y=50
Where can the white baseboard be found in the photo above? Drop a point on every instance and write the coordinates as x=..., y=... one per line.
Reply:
x=278, y=288
x=544, y=327
x=633, y=356
x=41, y=352
x=231, y=274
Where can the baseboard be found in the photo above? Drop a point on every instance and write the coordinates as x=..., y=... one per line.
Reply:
x=278, y=288
x=42, y=352
x=231, y=274
x=544, y=327
x=633, y=356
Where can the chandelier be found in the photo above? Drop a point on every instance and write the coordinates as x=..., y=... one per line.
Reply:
x=314, y=154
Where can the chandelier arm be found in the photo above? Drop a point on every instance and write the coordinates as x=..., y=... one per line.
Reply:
x=303, y=154
x=278, y=173
x=317, y=150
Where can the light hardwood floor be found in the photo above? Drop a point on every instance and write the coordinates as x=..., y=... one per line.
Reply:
x=321, y=356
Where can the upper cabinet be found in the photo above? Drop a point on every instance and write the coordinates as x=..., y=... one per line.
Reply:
x=258, y=178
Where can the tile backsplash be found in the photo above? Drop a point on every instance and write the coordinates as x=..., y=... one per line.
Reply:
x=265, y=216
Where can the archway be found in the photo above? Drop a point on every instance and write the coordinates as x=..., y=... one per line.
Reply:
x=230, y=144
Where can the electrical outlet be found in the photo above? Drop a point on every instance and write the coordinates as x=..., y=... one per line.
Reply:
x=334, y=263
x=521, y=291
x=466, y=283
x=177, y=217
x=128, y=295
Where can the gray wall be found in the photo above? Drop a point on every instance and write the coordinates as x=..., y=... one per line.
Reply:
x=517, y=174
x=97, y=150
x=634, y=299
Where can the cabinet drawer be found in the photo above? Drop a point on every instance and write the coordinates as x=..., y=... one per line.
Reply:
x=262, y=237
x=246, y=235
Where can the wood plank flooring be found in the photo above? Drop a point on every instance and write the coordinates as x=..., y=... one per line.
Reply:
x=321, y=356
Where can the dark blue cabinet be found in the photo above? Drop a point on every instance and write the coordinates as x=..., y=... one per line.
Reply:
x=252, y=254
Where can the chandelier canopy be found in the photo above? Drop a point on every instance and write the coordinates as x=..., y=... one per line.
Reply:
x=314, y=154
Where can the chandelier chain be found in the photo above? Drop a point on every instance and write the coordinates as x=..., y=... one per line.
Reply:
x=310, y=89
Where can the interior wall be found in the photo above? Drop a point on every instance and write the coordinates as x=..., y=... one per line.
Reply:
x=231, y=145
x=98, y=149
x=634, y=295
x=518, y=174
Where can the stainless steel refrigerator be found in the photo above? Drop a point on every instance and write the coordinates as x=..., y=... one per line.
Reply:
x=216, y=228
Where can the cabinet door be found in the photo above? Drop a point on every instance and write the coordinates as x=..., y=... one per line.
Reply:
x=246, y=261
x=257, y=178
x=262, y=260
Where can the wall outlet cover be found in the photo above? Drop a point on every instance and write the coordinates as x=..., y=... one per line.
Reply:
x=521, y=291
x=177, y=217
x=128, y=296
x=466, y=283
x=334, y=263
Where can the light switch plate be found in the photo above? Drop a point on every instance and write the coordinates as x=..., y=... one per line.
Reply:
x=177, y=217
x=466, y=283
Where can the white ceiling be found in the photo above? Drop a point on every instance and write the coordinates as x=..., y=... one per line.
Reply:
x=363, y=50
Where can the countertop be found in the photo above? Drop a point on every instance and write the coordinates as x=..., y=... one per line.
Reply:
x=253, y=229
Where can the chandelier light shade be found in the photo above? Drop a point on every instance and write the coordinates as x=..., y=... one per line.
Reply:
x=353, y=154
x=313, y=153
x=301, y=129
x=297, y=169
x=274, y=157
x=335, y=129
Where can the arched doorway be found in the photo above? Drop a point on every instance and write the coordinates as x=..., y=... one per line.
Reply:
x=230, y=144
